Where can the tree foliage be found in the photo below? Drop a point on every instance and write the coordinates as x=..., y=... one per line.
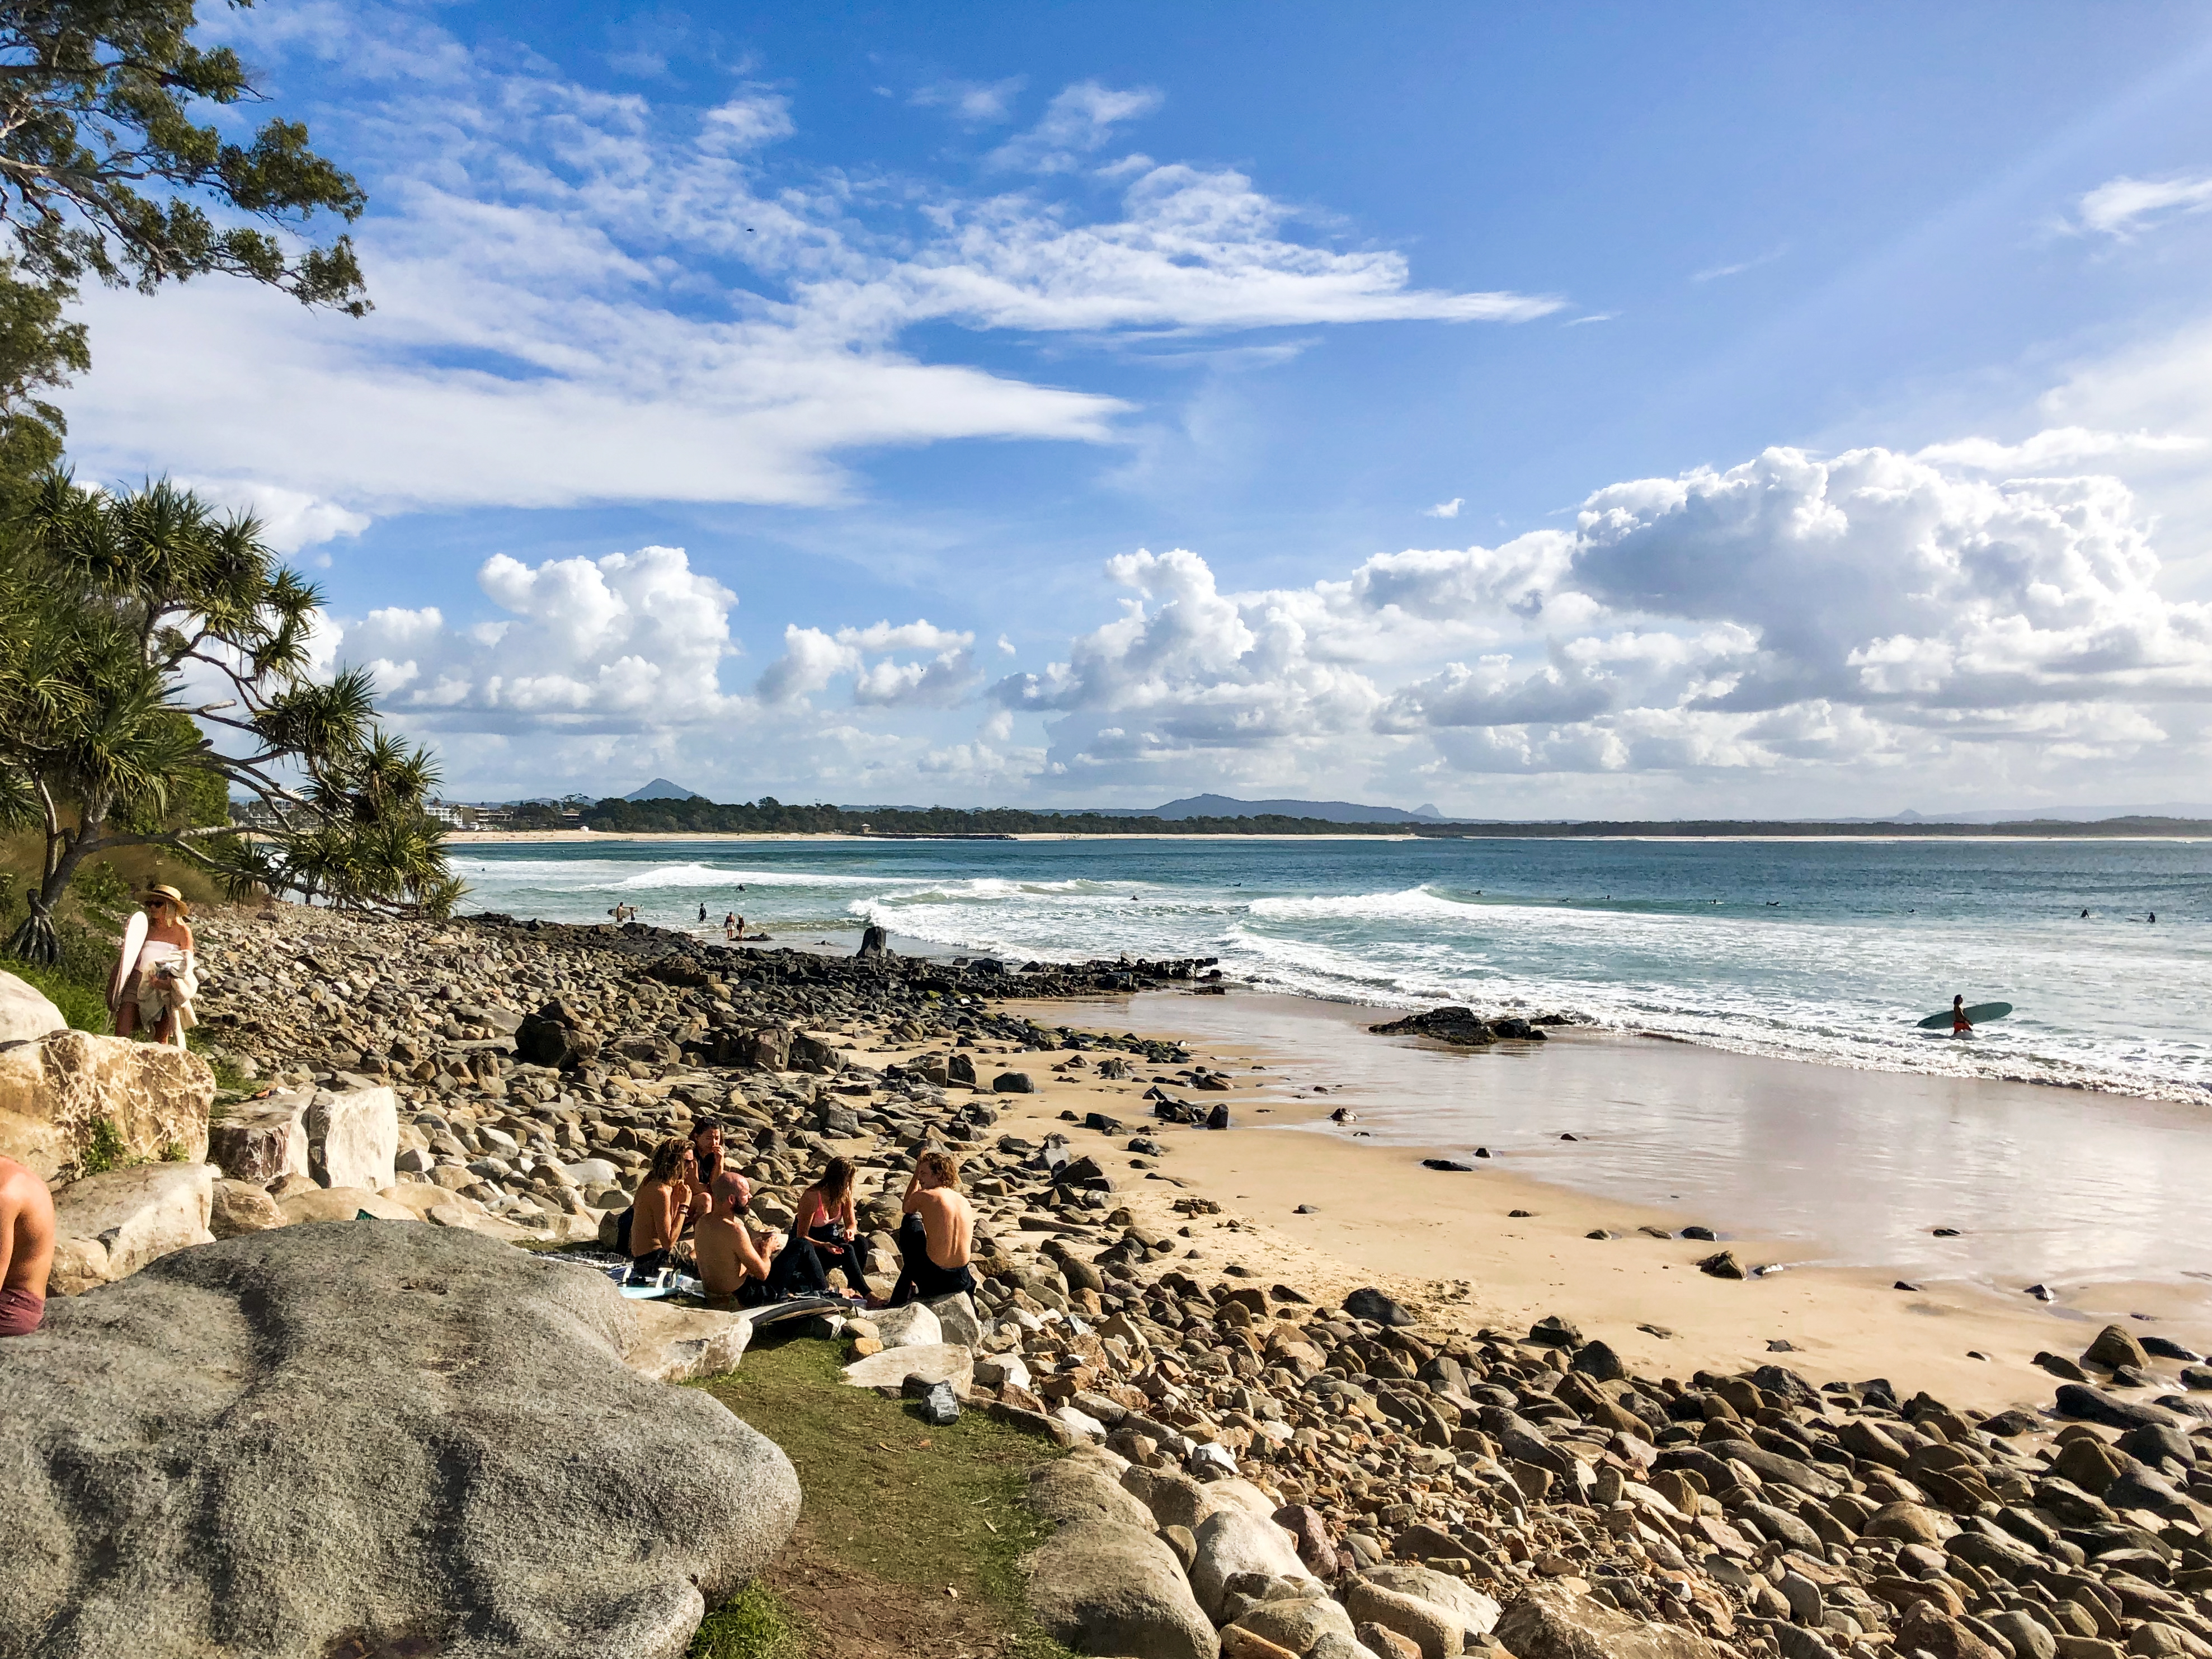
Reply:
x=133, y=626
x=104, y=172
x=107, y=170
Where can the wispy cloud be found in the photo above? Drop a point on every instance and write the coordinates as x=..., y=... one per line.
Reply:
x=1445, y=509
x=978, y=103
x=1593, y=317
x=586, y=296
x=2121, y=207
x=1714, y=273
x=1077, y=123
x=2056, y=447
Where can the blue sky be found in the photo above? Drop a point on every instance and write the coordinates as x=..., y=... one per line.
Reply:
x=1530, y=410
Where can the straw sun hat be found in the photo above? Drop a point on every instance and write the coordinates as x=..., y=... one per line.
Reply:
x=162, y=890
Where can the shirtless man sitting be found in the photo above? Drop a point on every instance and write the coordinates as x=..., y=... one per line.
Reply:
x=729, y=1252
x=662, y=1209
x=27, y=1248
x=935, y=1236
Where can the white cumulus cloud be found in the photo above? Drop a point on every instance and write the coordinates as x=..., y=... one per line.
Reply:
x=625, y=642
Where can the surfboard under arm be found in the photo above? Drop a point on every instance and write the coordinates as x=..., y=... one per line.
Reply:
x=1980, y=1014
x=134, y=941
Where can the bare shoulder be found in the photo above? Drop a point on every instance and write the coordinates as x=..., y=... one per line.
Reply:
x=186, y=931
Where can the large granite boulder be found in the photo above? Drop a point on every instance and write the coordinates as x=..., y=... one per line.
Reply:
x=353, y=1137
x=1108, y=1587
x=52, y=1092
x=263, y=1141
x=26, y=1014
x=1234, y=1541
x=368, y=1438
x=108, y=1226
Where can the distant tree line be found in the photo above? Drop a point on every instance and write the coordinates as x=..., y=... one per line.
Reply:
x=769, y=815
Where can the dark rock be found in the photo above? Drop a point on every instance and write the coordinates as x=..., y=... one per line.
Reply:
x=1722, y=1264
x=2059, y=1366
x=940, y=1408
x=283, y=1420
x=2114, y=1348
x=1782, y=1527
x=961, y=1069
x=1553, y=1332
x=1014, y=1083
x=1597, y=1360
x=1705, y=1234
x=1369, y=1303
x=2159, y=1347
x=2154, y=1442
x=1449, y=1164
x=554, y=1036
x=1458, y=1026
x=874, y=942
x=1773, y=1465
x=1518, y=1437
x=2078, y=1400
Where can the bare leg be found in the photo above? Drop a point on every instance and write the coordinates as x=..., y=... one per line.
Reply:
x=126, y=1012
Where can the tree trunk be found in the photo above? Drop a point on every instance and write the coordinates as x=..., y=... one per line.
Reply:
x=36, y=939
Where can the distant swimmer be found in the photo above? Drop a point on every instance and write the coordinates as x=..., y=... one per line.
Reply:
x=1960, y=1025
x=2153, y=918
x=2085, y=913
x=702, y=913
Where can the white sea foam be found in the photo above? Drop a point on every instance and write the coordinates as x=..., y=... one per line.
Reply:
x=1853, y=949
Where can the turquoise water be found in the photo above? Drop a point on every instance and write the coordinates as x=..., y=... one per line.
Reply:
x=1819, y=951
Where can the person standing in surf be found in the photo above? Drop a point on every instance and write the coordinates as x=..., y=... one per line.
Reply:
x=1960, y=1025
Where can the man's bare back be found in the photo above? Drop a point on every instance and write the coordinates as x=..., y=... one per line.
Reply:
x=947, y=1223
x=27, y=1248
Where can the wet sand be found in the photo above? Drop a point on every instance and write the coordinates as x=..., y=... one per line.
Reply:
x=1791, y=1164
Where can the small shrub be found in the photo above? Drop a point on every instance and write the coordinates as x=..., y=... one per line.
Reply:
x=174, y=1152
x=105, y=1149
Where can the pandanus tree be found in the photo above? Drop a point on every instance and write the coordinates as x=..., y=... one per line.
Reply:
x=156, y=659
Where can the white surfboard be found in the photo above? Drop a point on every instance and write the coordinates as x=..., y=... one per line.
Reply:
x=134, y=941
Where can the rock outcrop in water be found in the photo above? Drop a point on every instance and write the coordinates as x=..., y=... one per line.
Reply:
x=1465, y=1029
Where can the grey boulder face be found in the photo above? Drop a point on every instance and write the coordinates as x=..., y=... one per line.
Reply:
x=1107, y=1587
x=366, y=1436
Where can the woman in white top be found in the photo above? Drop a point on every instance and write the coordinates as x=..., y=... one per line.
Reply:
x=158, y=991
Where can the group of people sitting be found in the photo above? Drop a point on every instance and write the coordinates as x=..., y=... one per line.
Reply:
x=691, y=1209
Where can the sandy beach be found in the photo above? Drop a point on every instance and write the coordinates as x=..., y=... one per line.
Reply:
x=1327, y=1211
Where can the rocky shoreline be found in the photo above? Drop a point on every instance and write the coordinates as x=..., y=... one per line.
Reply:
x=1254, y=1472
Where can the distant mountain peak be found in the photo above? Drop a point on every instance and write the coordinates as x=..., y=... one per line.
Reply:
x=1333, y=811
x=661, y=789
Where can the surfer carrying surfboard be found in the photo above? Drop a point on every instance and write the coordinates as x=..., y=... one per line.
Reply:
x=1960, y=1023
x=154, y=980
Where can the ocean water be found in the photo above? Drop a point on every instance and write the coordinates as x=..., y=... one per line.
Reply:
x=1819, y=950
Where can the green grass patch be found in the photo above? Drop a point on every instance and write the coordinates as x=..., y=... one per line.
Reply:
x=753, y=1623
x=891, y=1499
